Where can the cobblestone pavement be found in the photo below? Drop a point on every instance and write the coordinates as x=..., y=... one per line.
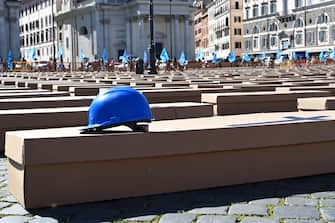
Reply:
x=301, y=200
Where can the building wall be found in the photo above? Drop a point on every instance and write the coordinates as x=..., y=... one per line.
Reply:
x=201, y=32
x=225, y=23
x=36, y=29
x=300, y=29
x=9, y=28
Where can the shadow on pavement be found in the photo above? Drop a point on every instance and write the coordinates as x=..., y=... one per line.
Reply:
x=110, y=211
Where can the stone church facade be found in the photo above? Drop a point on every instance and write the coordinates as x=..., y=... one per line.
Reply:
x=89, y=26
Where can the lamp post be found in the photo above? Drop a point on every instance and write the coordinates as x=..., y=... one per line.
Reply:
x=152, y=64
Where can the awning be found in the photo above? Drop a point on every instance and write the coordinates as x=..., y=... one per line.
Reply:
x=260, y=52
x=316, y=49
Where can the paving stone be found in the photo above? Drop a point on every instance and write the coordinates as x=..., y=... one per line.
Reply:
x=248, y=209
x=15, y=209
x=301, y=221
x=178, y=218
x=14, y=219
x=328, y=214
x=266, y=201
x=210, y=210
x=9, y=198
x=327, y=194
x=216, y=219
x=296, y=212
x=38, y=219
x=258, y=220
x=327, y=203
x=300, y=201
x=142, y=218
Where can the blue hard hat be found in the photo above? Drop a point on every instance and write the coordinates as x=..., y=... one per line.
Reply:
x=118, y=106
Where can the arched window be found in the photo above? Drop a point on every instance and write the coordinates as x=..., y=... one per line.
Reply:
x=83, y=30
x=322, y=19
x=273, y=27
x=256, y=38
x=299, y=23
x=227, y=21
x=255, y=30
x=323, y=28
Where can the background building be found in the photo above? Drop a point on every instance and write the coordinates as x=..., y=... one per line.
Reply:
x=297, y=25
x=9, y=28
x=37, y=28
x=87, y=27
x=201, y=28
x=225, y=27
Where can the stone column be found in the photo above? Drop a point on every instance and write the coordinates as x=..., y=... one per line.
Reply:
x=128, y=36
x=13, y=33
x=186, y=37
x=141, y=43
x=99, y=33
x=3, y=31
x=176, y=37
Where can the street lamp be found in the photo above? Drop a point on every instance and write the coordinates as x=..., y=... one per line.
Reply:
x=152, y=65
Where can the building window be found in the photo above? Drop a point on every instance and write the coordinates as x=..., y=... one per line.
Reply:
x=264, y=9
x=299, y=23
x=299, y=38
x=237, y=5
x=237, y=32
x=273, y=41
x=238, y=45
x=256, y=40
x=237, y=19
x=310, y=38
x=247, y=13
x=255, y=11
x=273, y=27
x=323, y=28
x=83, y=30
x=264, y=39
x=298, y=3
x=247, y=44
x=273, y=7
x=323, y=36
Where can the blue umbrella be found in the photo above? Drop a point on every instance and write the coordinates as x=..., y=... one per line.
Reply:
x=231, y=57
x=145, y=57
x=104, y=56
x=307, y=55
x=332, y=54
x=182, y=58
x=164, y=56
x=82, y=56
x=294, y=56
x=198, y=55
x=246, y=57
x=124, y=57
x=32, y=54
x=278, y=54
x=215, y=58
x=263, y=56
x=322, y=56
x=59, y=53
x=10, y=60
